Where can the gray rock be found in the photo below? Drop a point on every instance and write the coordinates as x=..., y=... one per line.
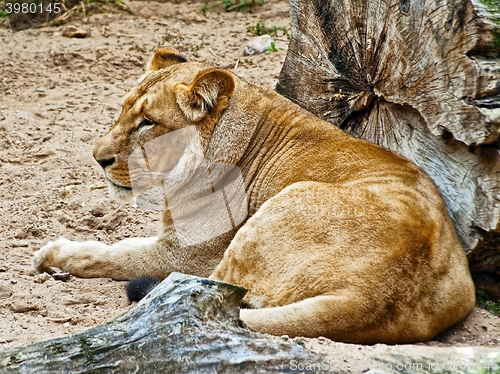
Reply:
x=61, y=276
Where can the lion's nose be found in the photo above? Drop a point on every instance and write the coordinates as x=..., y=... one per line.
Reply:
x=104, y=162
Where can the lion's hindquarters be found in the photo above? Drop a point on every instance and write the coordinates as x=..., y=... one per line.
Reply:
x=362, y=316
x=349, y=265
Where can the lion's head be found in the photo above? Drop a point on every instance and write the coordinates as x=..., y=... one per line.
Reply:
x=173, y=95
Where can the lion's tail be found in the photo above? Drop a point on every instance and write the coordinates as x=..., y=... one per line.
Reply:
x=335, y=317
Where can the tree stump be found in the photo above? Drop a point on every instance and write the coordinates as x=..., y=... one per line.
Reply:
x=185, y=325
x=419, y=77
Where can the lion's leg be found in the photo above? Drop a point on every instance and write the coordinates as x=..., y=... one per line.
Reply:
x=132, y=258
x=127, y=259
x=340, y=318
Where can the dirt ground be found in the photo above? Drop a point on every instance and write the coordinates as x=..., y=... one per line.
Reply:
x=58, y=96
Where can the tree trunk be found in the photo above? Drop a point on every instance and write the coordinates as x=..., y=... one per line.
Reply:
x=191, y=325
x=420, y=77
x=185, y=325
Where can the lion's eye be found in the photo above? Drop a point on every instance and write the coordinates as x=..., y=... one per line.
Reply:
x=145, y=122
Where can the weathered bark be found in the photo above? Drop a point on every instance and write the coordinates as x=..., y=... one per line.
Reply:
x=420, y=77
x=185, y=325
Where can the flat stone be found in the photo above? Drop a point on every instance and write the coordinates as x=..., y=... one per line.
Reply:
x=61, y=276
x=5, y=290
x=23, y=302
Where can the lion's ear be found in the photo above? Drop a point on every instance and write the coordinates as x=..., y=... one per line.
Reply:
x=209, y=92
x=164, y=57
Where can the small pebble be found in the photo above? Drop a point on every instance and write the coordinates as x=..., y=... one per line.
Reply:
x=5, y=290
x=97, y=212
x=74, y=32
x=42, y=278
x=258, y=45
x=61, y=276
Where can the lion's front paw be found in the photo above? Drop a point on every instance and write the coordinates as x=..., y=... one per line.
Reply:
x=49, y=255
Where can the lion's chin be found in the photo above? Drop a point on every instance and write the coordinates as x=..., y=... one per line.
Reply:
x=120, y=194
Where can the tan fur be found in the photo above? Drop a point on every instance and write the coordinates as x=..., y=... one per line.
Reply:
x=345, y=239
x=164, y=57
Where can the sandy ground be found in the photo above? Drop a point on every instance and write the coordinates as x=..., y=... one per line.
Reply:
x=58, y=96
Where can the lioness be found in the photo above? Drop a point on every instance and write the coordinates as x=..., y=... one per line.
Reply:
x=343, y=239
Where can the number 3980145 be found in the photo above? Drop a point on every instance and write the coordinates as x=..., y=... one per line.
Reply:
x=32, y=8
